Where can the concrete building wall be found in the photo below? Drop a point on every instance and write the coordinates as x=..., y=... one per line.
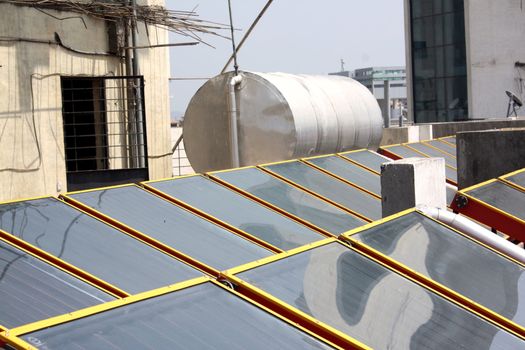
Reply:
x=495, y=33
x=32, y=161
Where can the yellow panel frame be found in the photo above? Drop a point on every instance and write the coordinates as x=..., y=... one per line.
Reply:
x=428, y=155
x=426, y=142
x=342, y=155
x=143, y=237
x=322, y=233
x=505, y=179
x=267, y=204
x=12, y=335
x=442, y=139
x=303, y=188
x=340, y=178
x=388, y=263
x=479, y=309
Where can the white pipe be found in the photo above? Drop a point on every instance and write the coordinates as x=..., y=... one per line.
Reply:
x=233, y=121
x=476, y=231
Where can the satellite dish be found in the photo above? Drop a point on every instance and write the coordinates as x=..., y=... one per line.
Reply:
x=515, y=102
x=514, y=98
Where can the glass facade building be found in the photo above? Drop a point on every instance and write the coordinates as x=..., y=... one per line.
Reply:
x=439, y=72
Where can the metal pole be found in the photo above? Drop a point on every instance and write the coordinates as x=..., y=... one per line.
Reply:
x=234, y=54
x=386, y=99
x=247, y=34
x=138, y=90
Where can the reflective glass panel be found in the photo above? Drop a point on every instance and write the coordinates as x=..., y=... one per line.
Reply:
x=291, y=199
x=173, y=226
x=329, y=187
x=374, y=305
x=450, y=195
x=32, y=290
x=238, y=211
x=443, y=146
x=350, y=172
x=432, y=152
x=405, y=152
x=200, y=317
x=452, y=260
x=91, y=245
x=518, y=179
x=503, y=197
x=450, y=139
x=369, y=159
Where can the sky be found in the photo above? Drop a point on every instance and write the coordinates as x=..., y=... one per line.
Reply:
x=294, y=36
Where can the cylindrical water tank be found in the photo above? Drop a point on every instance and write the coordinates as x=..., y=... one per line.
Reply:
x=279, y=116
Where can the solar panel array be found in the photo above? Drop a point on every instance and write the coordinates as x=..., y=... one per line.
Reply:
x=287, y=255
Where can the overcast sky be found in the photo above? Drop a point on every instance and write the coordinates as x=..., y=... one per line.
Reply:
x=295, y=36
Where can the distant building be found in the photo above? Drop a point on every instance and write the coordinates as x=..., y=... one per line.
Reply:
x=461, y=57
x=374, y=77
x=344, y=73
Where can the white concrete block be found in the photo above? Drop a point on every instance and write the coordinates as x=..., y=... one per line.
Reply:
x=409, y=182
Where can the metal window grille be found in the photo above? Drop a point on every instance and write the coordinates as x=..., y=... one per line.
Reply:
x=104, y=130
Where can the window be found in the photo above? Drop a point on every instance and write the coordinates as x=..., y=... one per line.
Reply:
x=104, y=131
x=439, y=61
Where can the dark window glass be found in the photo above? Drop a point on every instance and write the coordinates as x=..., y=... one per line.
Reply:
x=438, y=51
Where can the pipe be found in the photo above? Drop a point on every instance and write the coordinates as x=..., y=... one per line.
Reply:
x=476, y=231
x=233, y=120
x=141, y=162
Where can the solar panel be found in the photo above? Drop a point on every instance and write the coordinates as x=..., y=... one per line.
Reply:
x=453, y=260
x=329, y=187
x=518, y=178
x=367, y=158
x=432, y=152
x=443, y=146
x=501, y=196
x=204, y=316
x=238, y=211
x=349, y=171
x=374, y=305
x=449, y=139
x=405, y=152
x=291, y=199
x=91, y=245
x=173, y=226
x=33, y=290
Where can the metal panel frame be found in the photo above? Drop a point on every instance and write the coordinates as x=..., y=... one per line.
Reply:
x=505, y=179
x=341, y=154
x=212, y=218
x=438, y=149
x=405, y=270
x=86, y=210
x=282, y=307
x=165, y=248
x=340, y=206
x=12, y=336
x=261, y=201
x=340, y=178
x=443, y=139
x=489, y=214
x=428, y=155
x=385, y=150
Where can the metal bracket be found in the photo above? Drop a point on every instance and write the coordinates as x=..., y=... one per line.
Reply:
x=461, y=201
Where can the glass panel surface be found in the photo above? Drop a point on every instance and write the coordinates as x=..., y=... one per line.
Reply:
x=518, y=179
x=173, y=226
x=201, y=317
x=503, y=197
x=239, y=211
x=432, y=152
x=405, y=152
x=32, y=290
x=450, y=139
x=291, y=199
x=450, y=195
x=374, y=305
x=329, y=187
x=367, y=158
x=453, y=260
x=91, y=245
x=350, y=172
x=443, y=146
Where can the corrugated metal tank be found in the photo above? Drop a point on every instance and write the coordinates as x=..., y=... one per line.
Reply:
x=279, y=116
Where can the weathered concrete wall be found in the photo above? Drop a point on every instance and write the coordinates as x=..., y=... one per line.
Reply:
x=484, y=155
x=449, y=129
x=407, y=183
x=412, y=133
x=495, y=31
x=31, y=130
